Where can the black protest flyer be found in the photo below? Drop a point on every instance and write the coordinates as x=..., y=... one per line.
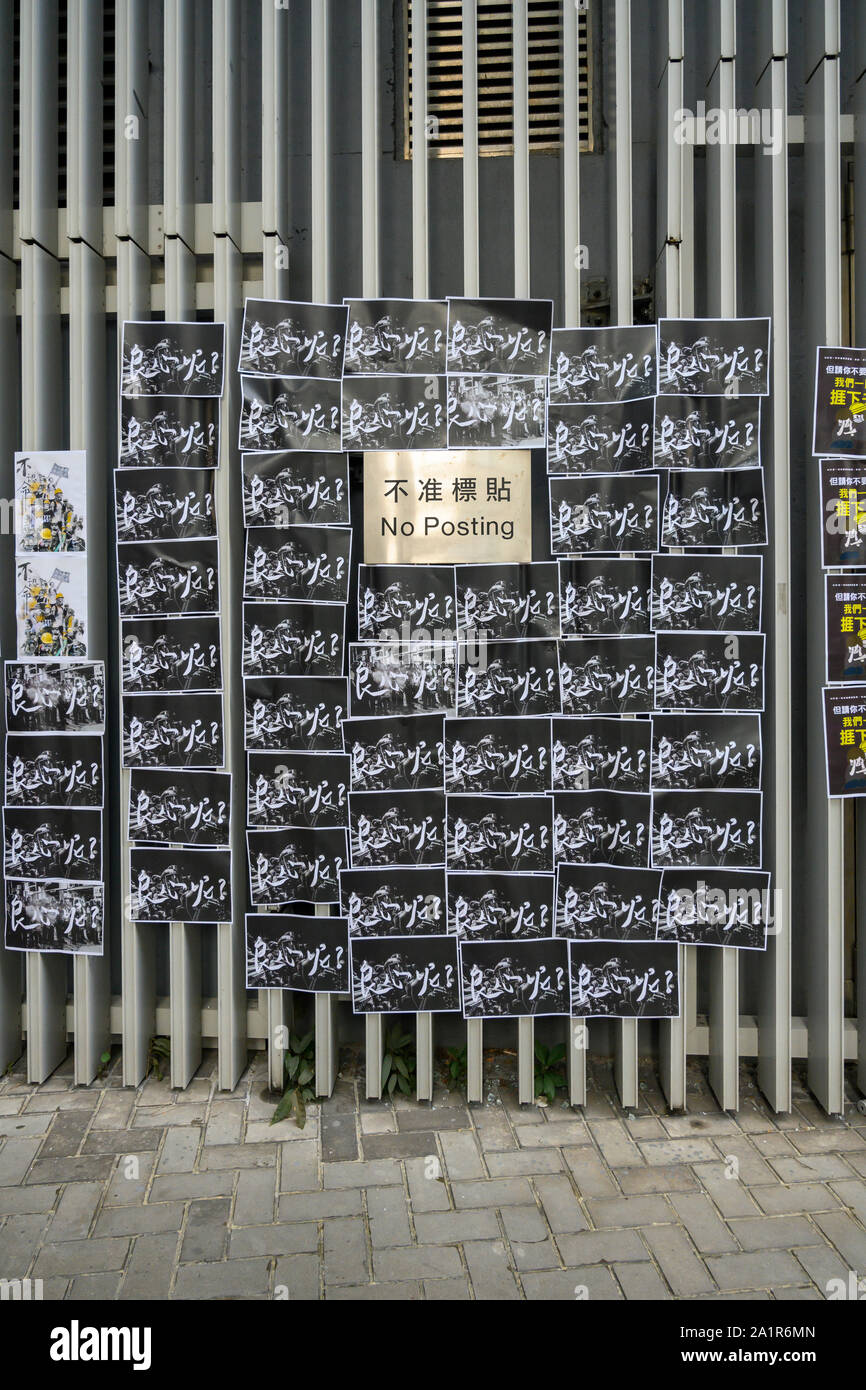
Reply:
x=169, y=432
x=707, y=593
x=715, y=907
x=500, y=907
x=500, y=337
x=388, y=901
x=710, y=509
x=55, y=697
x=845, y=740
x=635, y=979
x=43, y=843
x=395, y=412
x=406, y=603
x=601, y=827
x=714, y=357
x=51, y=605
x=505, y=757
x=514, y=979
x=508, y=678
x=390, y=337
x=706, y=751
x=52, y=770
x=712, y=829
x=164, y=504
x=496, y=412
x=287, y=951
x=603, y=365
x=583, y=439
x=397, y=829
x=169, y=808
x=508, y=601
x=173, y=578
x=173, y=731
x=60, y=917
x=709, y=671
x=300, y=489
x=293, y=639
x=608, y=514
x=707, y=432
x=303, y=713
x=399, y=975
x=295, y=865
x=172, y=359
x=290, y=414
x=401, y=678
x=404, y=753
x=174, y=655
x=843, y=508
x=605, y=598
x=839, y=420
x=607, y=675
x=602, y=903
x=179, y=885
x=595, y=754
x=298, y=789
x=298, y=563
x=845, y=607
x=505, y=834
x=289, y=339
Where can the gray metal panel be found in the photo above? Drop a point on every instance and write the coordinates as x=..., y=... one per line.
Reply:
x=131, y=121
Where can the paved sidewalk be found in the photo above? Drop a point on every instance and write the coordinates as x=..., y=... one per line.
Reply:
x=109, y=1193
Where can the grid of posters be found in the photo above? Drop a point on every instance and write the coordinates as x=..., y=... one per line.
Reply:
x=178, y=816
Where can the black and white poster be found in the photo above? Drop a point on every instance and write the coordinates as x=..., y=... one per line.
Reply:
x=388, y=337
x=845, y=600
x=50, y=502
x=399, y=754
x=310, y=954
x=497, y=412
x=714, y=357
x=395, y=412
x=716, y=907
x=52, y=843
x=298, y=563
x=607, y=675
x=47, y=770
x=605, y=598
x=508, y=601
x=400, y=975
x=177, y=432
x=601, y=365
x=396, y=829
x=845, y=740
x=501, y=679
x=300, y=413
x=51, y=605
x=406, y=603
x=174, y=655
x=710, y=509
x=514, y=979
x=298, y=789
x=601, y=827
x=170, y=809
x=55, y=697
x=502, y=757
x=606, y=904
x=394, y=902
x=173, y=731
x=709, y=671
x=174, y=578
x=625, y=980
x=707, y=432
x=164, y=504
x=303, y=713
x=843, y=508
x=179, y=885
x=707, y=593
x=840, y=402
x=288, y=489
x=506, y=835
x=172, y=359
x=601, y=755
x=608, y=514
x=701, y=829
x=584, y=439
x=293, y=639
x=500, y=336
x=706, y=751
x=399, y=678
x=296, y=865
x=61, y=917
x=281, y=338
x=500, y=907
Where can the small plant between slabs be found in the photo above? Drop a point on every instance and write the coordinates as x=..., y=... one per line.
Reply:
x=456, y=1067
x=300, y=1064
x=399, y=1062
x=549, y=1073
x=102, y=1069
x=158, y=1056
